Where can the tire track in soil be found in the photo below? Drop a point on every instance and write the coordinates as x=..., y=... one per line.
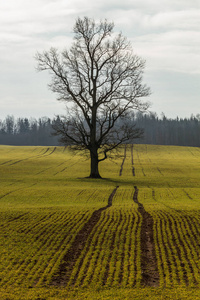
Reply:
x=158, y=226
x=107, y=221
x=150, y=274
x=15, y=162
x=122, y=165
x=72, y=255
x=38, y=155
x=22, y=188
x=140, y=164
x=27, y=158
x=132, y=161
x=67, y=167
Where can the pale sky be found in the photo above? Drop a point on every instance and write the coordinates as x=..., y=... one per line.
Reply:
x=165, y=33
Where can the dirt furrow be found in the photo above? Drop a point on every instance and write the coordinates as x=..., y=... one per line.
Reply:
x=132, y=161
x=35, y=156
x=169, y=246
x=106, y=220
x=112, y=247
x=123, y=251
x=189, y=245
x=136, y=253
x=187, y=264
x=158, y=226
x=23, y=188
x=78, y=244
x=54, y=149
x=150, y=274
x=122, y=165
x=138, y=158
x=194, y=229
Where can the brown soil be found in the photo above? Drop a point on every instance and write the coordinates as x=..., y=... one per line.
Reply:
x=112, y=245
x=150, y=274
x=132, y=161
x=165, y=244
x=122, y=165
x=78, y=244
x=181, y=244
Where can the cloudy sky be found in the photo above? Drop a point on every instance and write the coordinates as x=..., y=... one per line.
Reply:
x=165, y=33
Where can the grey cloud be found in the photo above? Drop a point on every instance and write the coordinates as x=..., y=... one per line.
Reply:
x=165, y=33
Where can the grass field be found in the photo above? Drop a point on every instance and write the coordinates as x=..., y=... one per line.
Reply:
x=133, y=235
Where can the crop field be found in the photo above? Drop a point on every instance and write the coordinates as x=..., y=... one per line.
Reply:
x=133, y=234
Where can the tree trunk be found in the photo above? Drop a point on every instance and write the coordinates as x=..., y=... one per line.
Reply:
x=94, y=169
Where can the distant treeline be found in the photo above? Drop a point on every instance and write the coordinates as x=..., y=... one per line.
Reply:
x=27, y=132
x=157, y=130
x=165, y=131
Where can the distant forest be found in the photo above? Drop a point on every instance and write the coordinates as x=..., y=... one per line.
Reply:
x=157, y=130
x=27, y=132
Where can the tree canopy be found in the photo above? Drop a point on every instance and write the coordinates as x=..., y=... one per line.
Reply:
x=100, y=80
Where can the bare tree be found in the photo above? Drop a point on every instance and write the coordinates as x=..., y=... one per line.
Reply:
x=102, y=78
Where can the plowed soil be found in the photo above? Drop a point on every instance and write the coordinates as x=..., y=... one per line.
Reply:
x=79, y=243
x=150, y=274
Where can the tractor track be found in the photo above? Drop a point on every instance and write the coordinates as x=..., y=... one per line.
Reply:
x=132, y=161
x=72, y=255
x=150, y=274
x=122, y=165
x=12, y=162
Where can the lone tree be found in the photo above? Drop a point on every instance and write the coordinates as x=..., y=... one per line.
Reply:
x=100, y=78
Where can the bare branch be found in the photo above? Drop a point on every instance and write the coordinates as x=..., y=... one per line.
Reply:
x=102, y=77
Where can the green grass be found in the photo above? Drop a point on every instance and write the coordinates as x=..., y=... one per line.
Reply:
x=178, y=293
x=45, y=200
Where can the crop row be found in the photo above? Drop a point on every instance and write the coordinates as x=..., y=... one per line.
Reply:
x=41, y=162
x=14, y=157
x=32, y=245
x=176, y=235
x=111, y=255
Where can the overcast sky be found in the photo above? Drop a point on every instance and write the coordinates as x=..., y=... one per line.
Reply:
x=165, y=33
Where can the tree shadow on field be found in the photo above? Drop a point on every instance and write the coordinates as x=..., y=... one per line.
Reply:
x=146, y=182
x=108, y=181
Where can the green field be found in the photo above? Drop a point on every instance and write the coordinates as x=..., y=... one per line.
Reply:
x=64, y=236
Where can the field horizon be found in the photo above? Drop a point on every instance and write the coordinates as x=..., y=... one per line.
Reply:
x=133, y=234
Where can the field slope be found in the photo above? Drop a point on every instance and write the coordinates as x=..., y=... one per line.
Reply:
x=134, y=234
